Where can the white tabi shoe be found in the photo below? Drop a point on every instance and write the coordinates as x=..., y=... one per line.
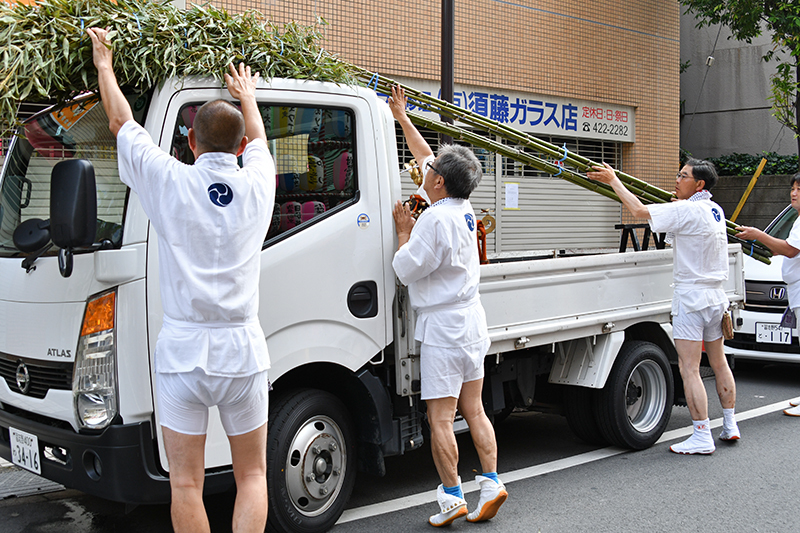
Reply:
x=493, y=495
x=730, y=434
x=452, y=507
x=695, y=444
x=794, y=403
x=794, y=411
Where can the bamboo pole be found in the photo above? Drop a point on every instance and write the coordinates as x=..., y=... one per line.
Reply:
x=645, y=192
x=475, y=139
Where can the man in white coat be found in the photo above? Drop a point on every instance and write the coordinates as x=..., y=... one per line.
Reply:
x=437, y=257
x=211, y=219
x=700, y=267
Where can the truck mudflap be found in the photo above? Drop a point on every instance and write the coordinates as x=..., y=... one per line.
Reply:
x=118, y=464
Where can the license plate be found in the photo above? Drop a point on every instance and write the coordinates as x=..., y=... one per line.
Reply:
x=25, y=450
x=773, y=333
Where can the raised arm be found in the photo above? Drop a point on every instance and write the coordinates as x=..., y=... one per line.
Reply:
x=416, y=143
x=242, y=86
x=606, y=174
x=116, y=105
x=777, y=246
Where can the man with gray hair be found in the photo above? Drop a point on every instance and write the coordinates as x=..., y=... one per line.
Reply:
x=437, y=257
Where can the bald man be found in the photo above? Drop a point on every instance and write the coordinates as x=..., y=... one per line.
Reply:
x=211, y=218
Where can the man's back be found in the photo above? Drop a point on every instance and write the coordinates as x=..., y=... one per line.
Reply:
x=211, y=219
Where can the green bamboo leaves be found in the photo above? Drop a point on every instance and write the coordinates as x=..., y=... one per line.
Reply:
x=47, y=56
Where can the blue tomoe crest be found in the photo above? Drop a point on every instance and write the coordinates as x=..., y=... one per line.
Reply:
x=220, y=194
x=470, y=221
x=715, y=212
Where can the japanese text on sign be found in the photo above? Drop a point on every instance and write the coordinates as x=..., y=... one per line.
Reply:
x=549, y=115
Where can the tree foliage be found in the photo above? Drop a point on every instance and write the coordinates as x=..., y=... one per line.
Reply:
x=780, y=19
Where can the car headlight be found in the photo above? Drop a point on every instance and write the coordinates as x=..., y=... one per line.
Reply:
x=94, y=378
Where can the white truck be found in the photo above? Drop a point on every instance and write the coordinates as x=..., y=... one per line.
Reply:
x=80, y=311
x=760, y=336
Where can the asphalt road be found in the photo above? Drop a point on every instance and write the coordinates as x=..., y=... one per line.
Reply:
x=556, y=482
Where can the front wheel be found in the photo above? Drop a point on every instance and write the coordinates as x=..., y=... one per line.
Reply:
x=311, y=462
x=634, y=407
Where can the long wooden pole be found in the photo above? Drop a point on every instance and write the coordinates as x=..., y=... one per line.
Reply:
x=645, y=192
x=749, y=189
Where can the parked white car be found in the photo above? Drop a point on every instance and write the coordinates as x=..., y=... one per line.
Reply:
x=760, y=336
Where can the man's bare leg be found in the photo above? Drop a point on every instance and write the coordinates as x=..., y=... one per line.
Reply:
x=470, y=405
x=701, y=441
x=441, y=413
x=689, y=354
x=186, y=456
x=726, y=386
x=249, y=452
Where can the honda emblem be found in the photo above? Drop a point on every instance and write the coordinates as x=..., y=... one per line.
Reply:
x=777, y=293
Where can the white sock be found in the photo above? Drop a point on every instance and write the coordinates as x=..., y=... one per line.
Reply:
x=728, y=418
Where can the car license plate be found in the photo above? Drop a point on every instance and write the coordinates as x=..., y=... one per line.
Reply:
x=25, y=450
x=773, y=333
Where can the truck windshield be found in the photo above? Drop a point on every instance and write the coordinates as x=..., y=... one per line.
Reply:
x=782, y=225
x=77, y=130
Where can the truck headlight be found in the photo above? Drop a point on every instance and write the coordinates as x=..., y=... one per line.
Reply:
x=94, y=378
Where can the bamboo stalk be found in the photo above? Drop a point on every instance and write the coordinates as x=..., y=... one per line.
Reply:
x=641, y=189
x=477, y=140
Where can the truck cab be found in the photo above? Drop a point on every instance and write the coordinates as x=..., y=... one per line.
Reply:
x=76, y=348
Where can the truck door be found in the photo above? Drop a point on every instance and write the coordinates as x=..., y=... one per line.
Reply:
x=323, y=281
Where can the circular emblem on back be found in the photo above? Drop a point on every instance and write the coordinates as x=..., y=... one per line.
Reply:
x=220, y=194
x=715, y=212
x=470, y=221
x=23, y=378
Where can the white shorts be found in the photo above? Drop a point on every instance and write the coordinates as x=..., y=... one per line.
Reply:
x=443, y=370
x=184, y=399
x=702, y=325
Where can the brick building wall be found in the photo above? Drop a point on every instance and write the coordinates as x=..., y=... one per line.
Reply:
x=620, y=52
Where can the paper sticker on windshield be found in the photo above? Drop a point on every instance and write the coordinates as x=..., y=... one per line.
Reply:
x=66, y=117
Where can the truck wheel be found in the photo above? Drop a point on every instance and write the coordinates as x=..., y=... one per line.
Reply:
x=311, y=462
x=634, y=407
x=579, y=410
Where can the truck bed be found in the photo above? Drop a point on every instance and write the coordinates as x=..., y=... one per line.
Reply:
x=561, y=298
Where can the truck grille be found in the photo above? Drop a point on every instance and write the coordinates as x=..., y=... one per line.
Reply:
x=765, y=296
x=43, y=375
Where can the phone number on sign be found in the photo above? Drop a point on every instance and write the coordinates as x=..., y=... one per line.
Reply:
x=607, y=129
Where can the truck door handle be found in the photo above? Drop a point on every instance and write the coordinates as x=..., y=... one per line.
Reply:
x=362, y=299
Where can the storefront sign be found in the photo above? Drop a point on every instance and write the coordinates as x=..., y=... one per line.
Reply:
x=538, y=114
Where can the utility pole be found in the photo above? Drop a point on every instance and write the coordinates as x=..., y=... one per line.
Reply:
x=448, y=48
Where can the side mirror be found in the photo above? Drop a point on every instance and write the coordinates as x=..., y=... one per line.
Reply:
x=32, y=235
x=73, y=204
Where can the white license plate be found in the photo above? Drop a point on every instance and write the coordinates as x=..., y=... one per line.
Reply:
x=25, y=450
x=773, y=333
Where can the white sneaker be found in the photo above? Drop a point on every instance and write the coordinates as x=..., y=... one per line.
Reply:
x=795, y=402
x=730, y=433
x=794, y=411
x=696, y=444
x=493, y=495
x=452, y=507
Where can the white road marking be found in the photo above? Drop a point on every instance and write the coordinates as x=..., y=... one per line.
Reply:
x=428, y=497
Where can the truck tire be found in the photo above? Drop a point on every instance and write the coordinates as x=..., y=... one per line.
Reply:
x=634, y=407
x=579, y=409
x=311, y=462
